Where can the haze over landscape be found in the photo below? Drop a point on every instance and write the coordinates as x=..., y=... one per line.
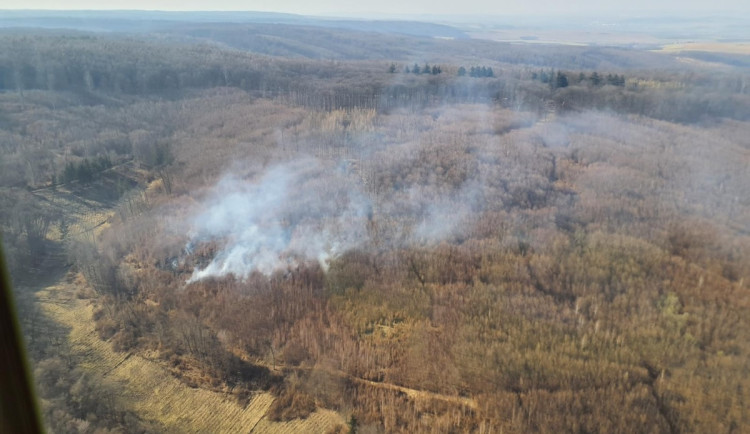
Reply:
x=417, y=8
x=344, y=217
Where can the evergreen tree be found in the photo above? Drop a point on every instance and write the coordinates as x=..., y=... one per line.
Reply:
x=596, y=80
x=407, y=70
x=551, y=80
x=426, y=69
x=392, y=68
x=461, y=71
x=561, y=80
x=69, y=173
x=490, y=73
x=84, y=171
x=353, y=425
x=415, y=69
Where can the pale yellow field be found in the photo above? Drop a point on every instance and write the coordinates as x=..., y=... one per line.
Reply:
x=716, y=47
x=564, y=37
x=155, y=395
x=146, y=386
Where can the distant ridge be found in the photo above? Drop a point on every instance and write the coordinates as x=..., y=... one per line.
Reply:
x=150, y=21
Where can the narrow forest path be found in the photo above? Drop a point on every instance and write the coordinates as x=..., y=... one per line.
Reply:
x=417, y=394
x=147, y=388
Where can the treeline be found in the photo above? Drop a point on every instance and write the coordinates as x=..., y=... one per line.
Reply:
x=84, y=171
x=25, y=222
x=96, y=67
x=116, y=65
x=416, y=70
x=560, y=79
x=293, y=41
x=476, y=71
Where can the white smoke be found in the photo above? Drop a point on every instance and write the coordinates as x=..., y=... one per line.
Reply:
x=445, y=215
x=294, y=213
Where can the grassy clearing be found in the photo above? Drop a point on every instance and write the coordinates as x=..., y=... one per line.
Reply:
x=712, y=47
x=147, y=387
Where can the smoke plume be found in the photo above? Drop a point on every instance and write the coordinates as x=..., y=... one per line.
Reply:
x=296, y=212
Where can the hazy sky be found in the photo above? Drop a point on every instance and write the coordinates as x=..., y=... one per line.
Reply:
x=394, y=7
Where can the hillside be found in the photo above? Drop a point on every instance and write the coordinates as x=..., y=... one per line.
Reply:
x=210, y=235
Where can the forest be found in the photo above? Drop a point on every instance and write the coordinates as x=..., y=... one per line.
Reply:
x=514, y=239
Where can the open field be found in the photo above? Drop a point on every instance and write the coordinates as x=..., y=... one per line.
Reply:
x=712, y=47
x=567, y=37
x=147, y=387
x=150, y=390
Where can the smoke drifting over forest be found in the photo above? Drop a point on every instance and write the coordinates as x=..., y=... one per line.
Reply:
x=562, y=245
x=308, y=210
x=441, y=185
x=312, y=209
x=283, y=217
